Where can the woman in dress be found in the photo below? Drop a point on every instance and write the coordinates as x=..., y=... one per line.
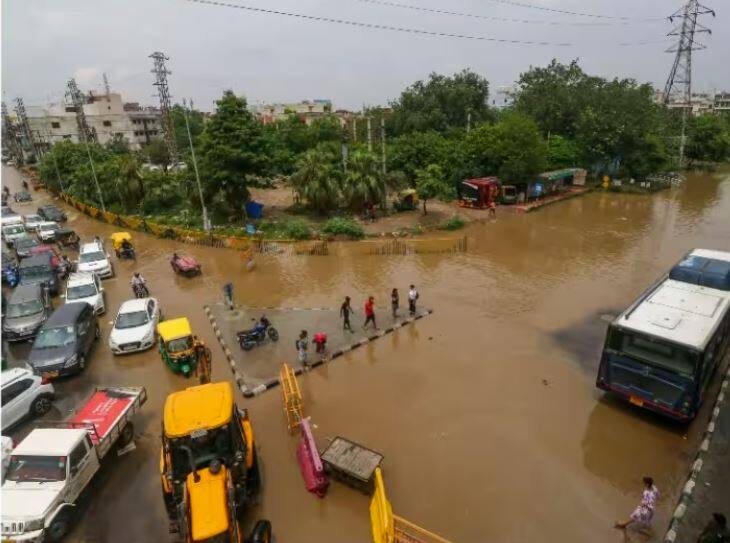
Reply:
x=644, y=512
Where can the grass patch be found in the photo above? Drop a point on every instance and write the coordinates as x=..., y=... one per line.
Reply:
x=339, y=226
x=289, y=229
x=454, y=223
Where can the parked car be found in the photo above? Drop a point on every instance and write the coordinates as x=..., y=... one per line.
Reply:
x=64, y=341
x=12, y=232
x=6, y=448
x=135, y=326
x=24, y=394
x=9, y=268
x=39, y=269
x=23, y=197
x=47, y=230
x=93, y=258
x=51, y=213
x=84, y=287
x=27, y=309
x=9, y=217
x=23, y=246
x=32, y=221
x=47, y=249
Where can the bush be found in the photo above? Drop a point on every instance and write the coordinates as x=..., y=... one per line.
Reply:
x=340, y=226
x=454, y=223
x=297, y=229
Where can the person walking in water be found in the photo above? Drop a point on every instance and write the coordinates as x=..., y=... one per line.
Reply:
x=643, y=514
x=394, y=302
x=345, y=312
x=412, y=298
x=370, y=313
x=302, y=344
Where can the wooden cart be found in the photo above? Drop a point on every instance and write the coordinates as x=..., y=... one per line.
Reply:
x=352, y=463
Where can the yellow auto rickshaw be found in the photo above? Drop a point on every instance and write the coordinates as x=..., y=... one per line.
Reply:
x=122, y=243
x=181, y=350
x=406, y=200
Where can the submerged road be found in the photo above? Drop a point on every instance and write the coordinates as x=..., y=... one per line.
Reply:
x=486, y=412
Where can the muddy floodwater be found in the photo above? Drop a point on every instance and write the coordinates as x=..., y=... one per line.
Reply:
x=486, y=411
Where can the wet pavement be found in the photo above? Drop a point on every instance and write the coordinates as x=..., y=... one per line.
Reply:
x=486, y=411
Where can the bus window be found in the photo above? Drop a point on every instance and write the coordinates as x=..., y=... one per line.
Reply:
x=658, y=353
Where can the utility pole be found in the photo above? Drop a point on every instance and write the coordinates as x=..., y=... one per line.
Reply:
x=206, y=222
x=370, y=137
x=354, y=130
x=86, y=133
x=11, y=136
x=679, y=82
x=382, y=142
x=25, y=127
x=107, y=89
x=163, y=91
x=55, y=162
x=468, y=122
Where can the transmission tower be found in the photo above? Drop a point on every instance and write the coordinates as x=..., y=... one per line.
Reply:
x=24, y=126
x=161, y=72
x=107, y=89
x=86, y=134
x=10, y=135
x=679, y=83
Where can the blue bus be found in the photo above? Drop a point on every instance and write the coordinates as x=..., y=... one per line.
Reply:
x=662, y=351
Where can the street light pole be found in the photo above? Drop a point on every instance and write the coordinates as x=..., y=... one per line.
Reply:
x=206, y=222
x=96, y=181
x=55, y=162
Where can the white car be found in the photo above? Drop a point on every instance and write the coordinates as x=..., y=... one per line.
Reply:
x=24, y=394
x=94, y=259
x=135, y=327
x=32, y=222
x=11, y=218
x=86, y=287
x=12, y=232
x=47, y=230
x=6, y=447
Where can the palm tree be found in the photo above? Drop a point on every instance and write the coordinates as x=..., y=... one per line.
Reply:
x=363, y=183
x=317, y=180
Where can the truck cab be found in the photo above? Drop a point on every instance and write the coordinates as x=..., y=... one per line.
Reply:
x=46, y=473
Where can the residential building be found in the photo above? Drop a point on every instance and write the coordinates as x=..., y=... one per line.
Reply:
x=701, y=103
x=504, y=96
x=106, y=114
x=722, y=102
x=307, y=110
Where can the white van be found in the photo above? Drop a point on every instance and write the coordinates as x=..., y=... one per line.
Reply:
x=86, y=287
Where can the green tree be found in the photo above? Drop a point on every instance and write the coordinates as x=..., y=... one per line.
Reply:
x=441, y=103
x=708, y=139
x=317, y=179
x=431, y=183
x=562, y=152
x=156, y=152
x=231, y=149
x=363, y=182
x=195, y=119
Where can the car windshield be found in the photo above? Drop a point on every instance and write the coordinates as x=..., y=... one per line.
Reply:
x=46, y=227
x=13, y=229
x=54, y=337
x=36, y=468
x=24, y=309
x=94, y=256
x=33, y=218
x=179, y=344
x=25, y=243
x=131, y=320
x=80, y=291
x=659, y=353
x=34, y=272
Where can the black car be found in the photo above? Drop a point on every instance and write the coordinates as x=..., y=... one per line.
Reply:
x=38, y=269
x=63, y=343
x=51, y=213
x=23, y=196
x=23, y=246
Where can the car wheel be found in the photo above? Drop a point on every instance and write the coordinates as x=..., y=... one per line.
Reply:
x=58, y=527
x=82, y=363
x=40, y=406
x=126, y=435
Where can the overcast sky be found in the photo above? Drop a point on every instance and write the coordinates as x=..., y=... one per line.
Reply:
x=275, y=58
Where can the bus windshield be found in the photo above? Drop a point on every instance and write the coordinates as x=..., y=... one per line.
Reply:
x=656, y=352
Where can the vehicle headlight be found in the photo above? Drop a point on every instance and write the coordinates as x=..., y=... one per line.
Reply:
x=33, y=525
x=71, y=361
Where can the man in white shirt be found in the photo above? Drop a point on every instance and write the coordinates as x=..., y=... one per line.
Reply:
x=412, y=297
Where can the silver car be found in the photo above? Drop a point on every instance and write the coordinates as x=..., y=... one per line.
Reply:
x=27, y=309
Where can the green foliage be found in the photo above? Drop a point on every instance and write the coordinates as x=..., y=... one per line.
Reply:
x=562, y=152
x=156, y=152
x=195, y=119
x=231, y=149
x=297, y=229
x=339, y=226
x=317, y=179
x=431, y=183
x=441, y=103
x=708, y=139
x=363, y=182
x=453, y=223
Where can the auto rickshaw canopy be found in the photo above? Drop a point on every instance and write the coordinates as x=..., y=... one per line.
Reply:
x=118, y=237
x=408, y=194
x=174, y=329
x=202, y=407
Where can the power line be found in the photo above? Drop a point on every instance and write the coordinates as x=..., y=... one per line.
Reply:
x=577, y=13
x=374, y=25
x=503, y=19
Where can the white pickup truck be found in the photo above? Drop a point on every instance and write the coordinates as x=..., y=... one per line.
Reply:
x=50, y=468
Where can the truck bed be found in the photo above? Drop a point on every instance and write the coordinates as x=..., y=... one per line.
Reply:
x=106, y=413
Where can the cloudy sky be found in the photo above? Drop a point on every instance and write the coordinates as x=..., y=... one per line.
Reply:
x=269, y=57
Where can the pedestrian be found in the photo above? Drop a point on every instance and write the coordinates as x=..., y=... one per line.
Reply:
x=394, y=302
x=302, y=344
x=372, y=212
x=716, y=530
x=493, y=209
x=345, y=312
x=641, y=516
x=412, y=298
x=370, y=313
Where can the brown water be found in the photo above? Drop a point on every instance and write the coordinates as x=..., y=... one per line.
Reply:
x=486, y=412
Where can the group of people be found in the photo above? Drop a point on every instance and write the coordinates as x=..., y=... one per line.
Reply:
x=346, y=308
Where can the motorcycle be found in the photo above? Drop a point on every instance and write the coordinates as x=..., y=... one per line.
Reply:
x=140, y=290
x=248, y=339
x=11, y=276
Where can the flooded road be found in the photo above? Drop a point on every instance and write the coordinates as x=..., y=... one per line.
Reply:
x=486, y=412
